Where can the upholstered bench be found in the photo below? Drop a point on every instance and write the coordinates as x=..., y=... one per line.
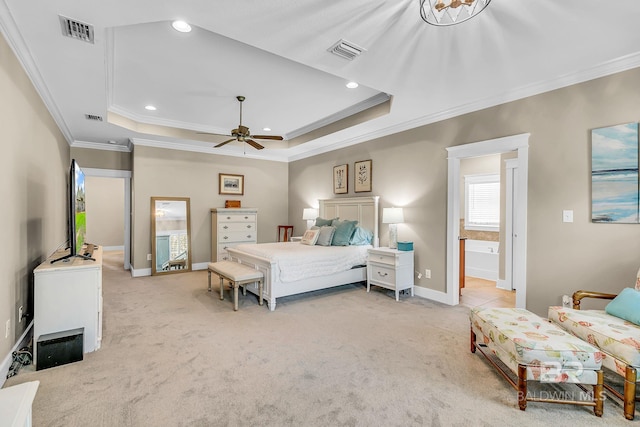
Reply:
x=618, y=339
x=535, y=349
x=237, y=275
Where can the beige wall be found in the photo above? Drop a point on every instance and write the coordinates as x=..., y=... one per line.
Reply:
x=410, y=170
x=161, y=172
x=105, y=210
x=102, y=159
x=33, y=174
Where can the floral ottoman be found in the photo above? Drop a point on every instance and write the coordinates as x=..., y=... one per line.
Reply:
x=535, y=349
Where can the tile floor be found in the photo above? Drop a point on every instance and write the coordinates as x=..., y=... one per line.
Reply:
x=480, y=292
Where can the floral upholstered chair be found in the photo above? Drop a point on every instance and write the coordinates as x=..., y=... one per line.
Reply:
x=614, y=330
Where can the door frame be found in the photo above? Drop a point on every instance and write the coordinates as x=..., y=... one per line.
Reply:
x=520, y=144
x=126, y=175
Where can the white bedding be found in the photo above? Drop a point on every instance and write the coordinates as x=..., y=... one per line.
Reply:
x=297, y=261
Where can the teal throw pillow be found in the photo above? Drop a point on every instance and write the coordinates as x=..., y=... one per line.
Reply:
x=344, y=231
x=322, y=221
x=326, y=235
x=361, y=236
x=626, y=306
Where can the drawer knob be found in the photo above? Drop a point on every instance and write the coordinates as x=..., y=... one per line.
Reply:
x=380, y=274
x=228, y=217
x=246, y=217
x=225, y=227
x=248, y=226
x=248, y=236
x=225, y=237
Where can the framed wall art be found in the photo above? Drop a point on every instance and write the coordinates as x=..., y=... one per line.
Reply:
x=614, y=174
x=340, y=179
x=230, y=184
x=362, y=176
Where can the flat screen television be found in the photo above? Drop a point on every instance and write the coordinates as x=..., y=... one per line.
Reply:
x=77, y=215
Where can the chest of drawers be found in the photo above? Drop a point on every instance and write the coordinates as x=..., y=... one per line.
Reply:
x=230, y=227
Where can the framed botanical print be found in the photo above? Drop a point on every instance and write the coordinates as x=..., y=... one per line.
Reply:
x=230, y=184
x=362, y=176
x=340, y=179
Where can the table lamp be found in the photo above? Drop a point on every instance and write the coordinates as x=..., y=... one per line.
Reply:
x=392, y=216
x=310, y=215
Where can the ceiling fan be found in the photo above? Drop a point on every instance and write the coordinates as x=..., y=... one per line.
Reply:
x=242, y=133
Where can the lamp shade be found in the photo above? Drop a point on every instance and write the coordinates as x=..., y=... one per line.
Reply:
x=392, y=216
x=309, y=213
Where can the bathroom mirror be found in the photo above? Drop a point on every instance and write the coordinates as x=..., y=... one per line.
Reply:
x=170, y=235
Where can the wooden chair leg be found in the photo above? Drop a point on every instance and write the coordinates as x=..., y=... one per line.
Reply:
x=473, y=341
x=630, y=379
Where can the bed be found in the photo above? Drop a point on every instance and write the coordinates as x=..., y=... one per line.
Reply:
x=278, y=284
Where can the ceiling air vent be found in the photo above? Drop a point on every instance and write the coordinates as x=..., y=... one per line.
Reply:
x=93, y=117
x=76, y=29
x=346, y=50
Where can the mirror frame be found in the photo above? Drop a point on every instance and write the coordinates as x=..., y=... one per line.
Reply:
x=187, y=268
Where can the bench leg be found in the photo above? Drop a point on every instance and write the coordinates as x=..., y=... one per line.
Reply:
x=260, y=291
x=221, y=288
x=630, y=378
x=598, y=395
x=473, y=341
x=522, y=387
x=209, y=280
x=235, y=296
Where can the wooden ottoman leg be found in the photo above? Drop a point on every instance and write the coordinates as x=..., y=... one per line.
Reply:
x=473, y=341
x=522, y=387
x=235, y=295
x=209, y=280
x=630, y=378
x=221, y=288
x=260, y=291
x=598, y=394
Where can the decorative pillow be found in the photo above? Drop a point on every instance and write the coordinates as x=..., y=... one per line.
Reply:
x=310, y=236
x=344, y=231
x=321, y=221
x=361, y=236
x=326, y=235
x=626, y=306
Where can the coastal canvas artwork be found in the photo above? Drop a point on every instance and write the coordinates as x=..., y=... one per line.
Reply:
x=615, y=192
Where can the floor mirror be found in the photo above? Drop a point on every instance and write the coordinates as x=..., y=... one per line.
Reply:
x=170, y=235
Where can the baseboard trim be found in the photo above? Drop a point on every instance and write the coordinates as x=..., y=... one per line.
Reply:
x=141, y=272
x=8, y=360
x=430, y=294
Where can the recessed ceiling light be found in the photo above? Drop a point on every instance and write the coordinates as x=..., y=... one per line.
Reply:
x=266, y=129
x=150, y=108
x=181, y=26
x=352, y=85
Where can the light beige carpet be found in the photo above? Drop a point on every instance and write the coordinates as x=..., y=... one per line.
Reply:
x=173, y=354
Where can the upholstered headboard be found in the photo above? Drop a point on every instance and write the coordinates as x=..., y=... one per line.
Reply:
x=362, y=209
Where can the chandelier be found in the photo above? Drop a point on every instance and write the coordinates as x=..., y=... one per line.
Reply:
x=442, y=13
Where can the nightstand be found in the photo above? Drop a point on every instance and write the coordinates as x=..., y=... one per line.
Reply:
x=391, y=269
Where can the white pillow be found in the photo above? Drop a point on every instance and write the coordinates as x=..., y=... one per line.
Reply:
x=310, y=236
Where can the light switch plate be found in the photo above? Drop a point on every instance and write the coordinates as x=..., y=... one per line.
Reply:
x=567, y=216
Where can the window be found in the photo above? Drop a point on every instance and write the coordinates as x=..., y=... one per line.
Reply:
x=482, y=202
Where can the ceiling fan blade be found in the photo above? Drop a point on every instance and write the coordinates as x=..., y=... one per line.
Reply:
x=224, y=143
x=275, y=137
x=254, y=144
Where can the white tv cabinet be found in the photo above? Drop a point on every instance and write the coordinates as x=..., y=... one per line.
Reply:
x=68, y=295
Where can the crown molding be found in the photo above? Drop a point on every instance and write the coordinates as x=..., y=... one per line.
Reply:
x=14, y=39
x=101, y=146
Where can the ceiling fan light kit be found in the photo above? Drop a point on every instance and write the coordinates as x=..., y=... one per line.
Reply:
x=242, y=134
x=444, y=13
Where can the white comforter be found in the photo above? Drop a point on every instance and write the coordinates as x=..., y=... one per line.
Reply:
x=296, y=261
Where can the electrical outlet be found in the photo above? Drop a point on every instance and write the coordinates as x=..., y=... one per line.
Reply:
x=20, y=314
x=419, y=275
x=566, y=301
x=148, y=257
x=427, y=273
x=7, y=328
